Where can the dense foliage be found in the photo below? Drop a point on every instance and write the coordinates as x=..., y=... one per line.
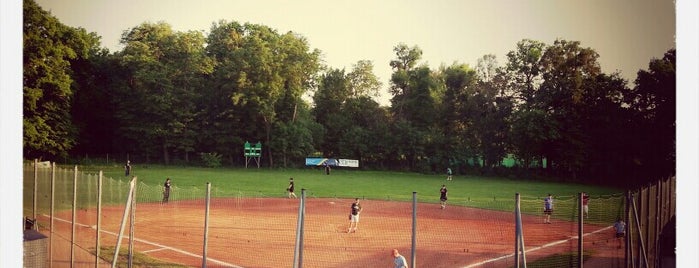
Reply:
x=169, y=96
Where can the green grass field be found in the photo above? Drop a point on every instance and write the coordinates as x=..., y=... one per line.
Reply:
x=348, y=183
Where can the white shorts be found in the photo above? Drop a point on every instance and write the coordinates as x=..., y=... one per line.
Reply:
x=354, y=218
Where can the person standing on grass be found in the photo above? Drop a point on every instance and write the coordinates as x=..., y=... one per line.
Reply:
x=290, y=188
x=448, y=173
x=127, y=168
x=399, y=260
x=443, y=196
x=620, y=228
x=548, y=208
x=355, y=210
x=327, y=167
x=166, y=190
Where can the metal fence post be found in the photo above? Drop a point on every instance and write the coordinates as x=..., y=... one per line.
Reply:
x=99, y=219
x=206, y=223
x=414, y=232
x=123, y=221
x=72, y=222
x=298, y=251
x=580, y=229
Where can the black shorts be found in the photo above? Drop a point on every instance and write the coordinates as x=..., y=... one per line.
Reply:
x=619, y=235
x=548, y=211
x=443, y=199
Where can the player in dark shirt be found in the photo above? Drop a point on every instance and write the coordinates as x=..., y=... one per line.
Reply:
x=290, y=188
x=355, y=210
x=443, y=196
x=166, y=190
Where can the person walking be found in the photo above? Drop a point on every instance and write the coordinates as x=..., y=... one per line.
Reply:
x=620, y=231
x=290, y=188
x=166, y=190
x=399, y=260
x=443, y=196
x=355, y=210
x=548, y=208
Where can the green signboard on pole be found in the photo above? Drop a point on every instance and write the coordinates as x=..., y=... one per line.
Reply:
x=251, y=151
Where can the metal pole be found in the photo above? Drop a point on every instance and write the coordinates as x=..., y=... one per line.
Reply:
x=72, y=222
x=206, y=223
x=580, y=230
x=521, y=234
x=414, y=232
x=303, y=221
x=299, y=231
x=517, y=234
x=99, y=219
x=36, y=178
x=123, y=222
x=53, y=197
x=132, y=224
x=642, y=249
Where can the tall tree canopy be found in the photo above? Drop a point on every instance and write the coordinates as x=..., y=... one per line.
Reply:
x=49, y=49
x=168, y=95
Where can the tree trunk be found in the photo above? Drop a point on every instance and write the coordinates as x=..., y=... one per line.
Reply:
x=268, y=130
x=166, y=155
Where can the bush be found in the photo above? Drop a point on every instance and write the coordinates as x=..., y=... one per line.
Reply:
x=211, y=160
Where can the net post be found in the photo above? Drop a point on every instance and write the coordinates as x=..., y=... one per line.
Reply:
x=413, y=260
x=206, y=223
x=519, y=235
x=99, y=219
x=298, y=251
x=580, y=229
x=72, y=222
x=123, y=221
x=53, y=197
x=36, y=178
x=132, y=223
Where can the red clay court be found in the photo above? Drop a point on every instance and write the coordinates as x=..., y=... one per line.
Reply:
x=261, y=232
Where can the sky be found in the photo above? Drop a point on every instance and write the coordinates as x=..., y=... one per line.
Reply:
x=626, y=34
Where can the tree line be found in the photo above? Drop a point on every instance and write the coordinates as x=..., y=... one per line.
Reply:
x=178, y=96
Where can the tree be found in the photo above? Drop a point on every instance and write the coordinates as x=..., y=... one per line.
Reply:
x=261, y=75
x=653, y=102
x=566, y=67
x=362, y=80
x=524, y=71
x=406, y=59
x=157, y=109
x=49, y=48
x=455, y=121
x=333, y=91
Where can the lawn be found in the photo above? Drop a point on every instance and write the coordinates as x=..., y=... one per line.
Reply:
x=348, y=183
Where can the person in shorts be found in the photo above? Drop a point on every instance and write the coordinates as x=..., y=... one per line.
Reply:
x=548, y=208
x=290, y=188
x=443, y=196
x=166, y=190
x=355, y=210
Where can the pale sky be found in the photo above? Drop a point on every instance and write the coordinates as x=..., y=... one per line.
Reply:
x=625, y=33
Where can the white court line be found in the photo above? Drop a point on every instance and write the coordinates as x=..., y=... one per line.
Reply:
x=156, y=244
x=535, y=248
